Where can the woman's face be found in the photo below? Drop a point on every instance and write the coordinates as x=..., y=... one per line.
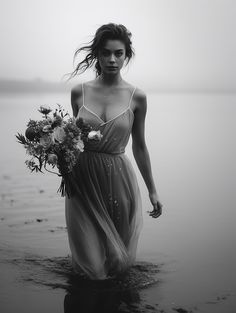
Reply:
x=112, y=56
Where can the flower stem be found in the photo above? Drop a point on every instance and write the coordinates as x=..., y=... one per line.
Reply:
x=51, y=171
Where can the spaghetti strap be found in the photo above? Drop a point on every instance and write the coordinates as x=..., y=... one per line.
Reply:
x=83, y=93
x=82, y=87
x=131, y=97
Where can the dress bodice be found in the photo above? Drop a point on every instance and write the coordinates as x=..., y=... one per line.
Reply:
x=116, y=131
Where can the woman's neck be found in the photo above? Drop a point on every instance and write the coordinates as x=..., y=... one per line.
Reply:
x=110, y=80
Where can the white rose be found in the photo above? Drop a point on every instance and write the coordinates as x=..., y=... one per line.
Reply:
x=96, y=135
x=46, y=141
x=59, y=134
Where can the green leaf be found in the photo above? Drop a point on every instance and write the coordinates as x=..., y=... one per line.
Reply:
x=21, y=138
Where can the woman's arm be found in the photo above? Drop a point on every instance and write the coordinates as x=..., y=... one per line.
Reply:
x=141, y=153
x=76, y=94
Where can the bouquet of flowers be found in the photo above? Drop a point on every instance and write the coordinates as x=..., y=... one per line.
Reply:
x=56, y=140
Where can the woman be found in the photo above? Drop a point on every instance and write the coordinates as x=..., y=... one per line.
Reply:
x=104, y=218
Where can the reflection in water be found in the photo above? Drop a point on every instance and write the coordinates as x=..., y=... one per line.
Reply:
x=91, y=297
x=122, y=294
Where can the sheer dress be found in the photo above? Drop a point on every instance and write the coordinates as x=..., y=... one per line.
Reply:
x=104, y=218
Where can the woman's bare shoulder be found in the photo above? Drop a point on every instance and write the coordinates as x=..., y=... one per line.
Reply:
x=76, y=98
x=140, y=94
x=140, y=99
x=76, y=90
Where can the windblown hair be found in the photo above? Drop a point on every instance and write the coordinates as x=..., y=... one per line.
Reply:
x=103, y=33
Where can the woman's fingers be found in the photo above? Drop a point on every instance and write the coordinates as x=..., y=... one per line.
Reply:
x=155, y=214
x=157, y=210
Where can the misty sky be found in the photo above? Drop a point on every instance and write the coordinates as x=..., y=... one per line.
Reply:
x=178, y=43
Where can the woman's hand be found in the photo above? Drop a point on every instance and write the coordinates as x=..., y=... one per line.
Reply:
x=157, y=206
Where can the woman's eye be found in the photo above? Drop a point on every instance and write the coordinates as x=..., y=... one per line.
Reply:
x=105, y=53
x=119, y=54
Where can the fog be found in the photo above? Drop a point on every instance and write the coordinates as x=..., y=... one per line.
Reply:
x=179, y=45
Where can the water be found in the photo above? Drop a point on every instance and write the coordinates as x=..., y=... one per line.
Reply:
x=190, y=138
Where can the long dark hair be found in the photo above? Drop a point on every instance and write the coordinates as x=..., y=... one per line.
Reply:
x=103, y=33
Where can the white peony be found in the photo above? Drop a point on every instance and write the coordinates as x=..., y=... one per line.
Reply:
x=96, y=135
x=59, y=134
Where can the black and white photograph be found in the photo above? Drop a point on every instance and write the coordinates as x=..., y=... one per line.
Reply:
x=117, y=163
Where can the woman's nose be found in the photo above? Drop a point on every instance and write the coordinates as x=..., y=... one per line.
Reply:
x=112, y=58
